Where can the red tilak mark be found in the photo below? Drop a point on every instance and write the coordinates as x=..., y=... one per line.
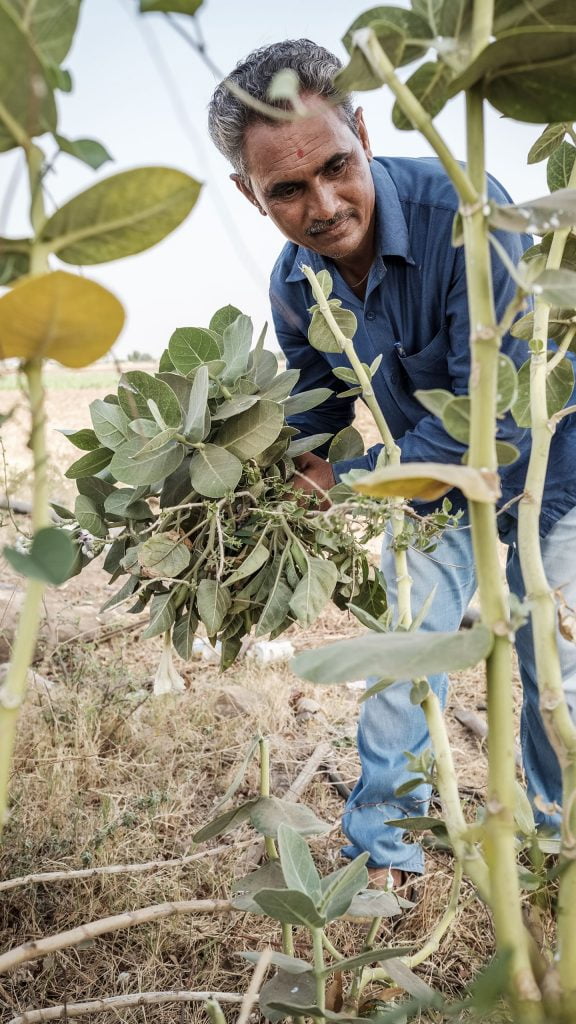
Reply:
x=299, y=153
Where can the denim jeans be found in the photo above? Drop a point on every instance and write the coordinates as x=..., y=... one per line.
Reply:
x=390, y=725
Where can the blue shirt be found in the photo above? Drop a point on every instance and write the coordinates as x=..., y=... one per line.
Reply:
x=414, y=314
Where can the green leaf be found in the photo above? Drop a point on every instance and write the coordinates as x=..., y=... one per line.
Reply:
x=286, y=963
x=234, y=406
x=175, y=6
x=137, y=388
x=298, y=867
x=223, y=318
x=14, y=259
x=126, y=591
x=276, y=607
x=559, y=387
x=110, y=423
x=224, y=823
x=547, y=142
x=314, y=590
x=359, y=75
x=213, y=601
x=319, y=334
x=183, y=634
x=268, y=813
x=88, y=151
x=197, y=416
x=372, y=956
x=89, y=464
x=236, y=342
x=281, y=387
x=96, y=489
x=558, y=324
x=121, y=215
x=124, y=503
x=268, y=876
x=285, y=990
x=456, y=418
x=263, y=368
x=249, y=434
x=162, y=615
x=289, y=906
x=214, y=471
x=340, y=887
x=163, y=556
x=435, y=400
x=429, y=84
x=301, y=445
x=50, y=558
x=372, y=903
x=85, y=439
x=547, y=213
x=346, y=444
x=88, y=516
x=418, y=823
x=27, y=105
x=541, y=93
x=404, y=655
x=345, y=373
x=306, y=400
x=149, y=470
x=387, y=20
x=250, y=565
x=557, y=287
x=158, y=441
x=49, y=24
x=506, y=453
x=190, y=347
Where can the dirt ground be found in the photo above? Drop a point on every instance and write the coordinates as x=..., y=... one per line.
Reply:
x=106, y=774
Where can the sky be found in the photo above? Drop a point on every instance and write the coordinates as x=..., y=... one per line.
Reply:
x=141, y=90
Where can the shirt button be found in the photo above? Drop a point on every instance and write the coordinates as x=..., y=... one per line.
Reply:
x=371, y=316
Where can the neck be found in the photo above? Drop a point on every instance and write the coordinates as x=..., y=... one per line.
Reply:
x=355, y=268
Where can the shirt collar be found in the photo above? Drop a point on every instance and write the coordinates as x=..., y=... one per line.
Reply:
x=391, y=228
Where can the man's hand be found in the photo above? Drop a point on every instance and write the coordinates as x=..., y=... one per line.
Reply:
x=314, y=476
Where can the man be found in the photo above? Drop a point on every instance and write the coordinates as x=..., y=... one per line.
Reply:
x=382, y=227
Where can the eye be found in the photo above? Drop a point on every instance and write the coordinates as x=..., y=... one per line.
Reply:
x=337, y=167
x=287, y=192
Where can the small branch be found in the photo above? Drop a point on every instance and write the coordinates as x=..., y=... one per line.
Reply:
x=561, y=350
x=433, y=942
x=253, y=989
x=117, y=922
x=112, y=869
x=121, y=1003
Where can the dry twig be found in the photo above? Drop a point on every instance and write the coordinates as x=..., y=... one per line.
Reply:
x=124, y=1002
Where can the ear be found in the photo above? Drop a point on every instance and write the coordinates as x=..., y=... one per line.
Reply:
x=363, y=133
x=246, y=191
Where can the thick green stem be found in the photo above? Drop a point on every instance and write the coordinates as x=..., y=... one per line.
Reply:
x=482, y=18
x=264, y=746
x=13, y=689
x=367, y=41
x=555, y=714
x=318, y=949
x=484, y=342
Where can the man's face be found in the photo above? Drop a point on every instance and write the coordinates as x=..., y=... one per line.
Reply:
x=312, y=177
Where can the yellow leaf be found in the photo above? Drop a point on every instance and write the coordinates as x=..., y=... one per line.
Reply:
x=428, y=481
x=59, y=316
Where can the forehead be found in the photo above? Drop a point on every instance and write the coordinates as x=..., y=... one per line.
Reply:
x=293, y=150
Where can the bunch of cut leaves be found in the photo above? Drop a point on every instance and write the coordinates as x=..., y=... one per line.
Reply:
x=186, y=480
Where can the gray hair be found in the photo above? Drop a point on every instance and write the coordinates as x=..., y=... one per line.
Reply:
x=229, y=117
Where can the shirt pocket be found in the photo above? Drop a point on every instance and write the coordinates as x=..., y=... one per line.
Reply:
x=428, y=368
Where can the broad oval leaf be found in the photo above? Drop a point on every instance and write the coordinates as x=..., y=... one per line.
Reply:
x=346, y=444
x=214, y=471
x=559, y=387
x=222, y=319
x=547, y=142
x=150, y=470
x=110, y=423
x=314, y=590
x=49, y=24
x=268, y=813
x=121, y=215
x=84, y=439
x=557, y=287
x=507, y=384
x=213, y=601
x=291, y=907
x=163, y=556
x=435, y=400
x=88, y=151
x=340, y=888
x=296, y=996
x=50, y=559
x=88, y=516
x=298, y=867
x=384, y=21
x=173, y=6
x=456, y=418
x=90, y=464
x=547, y=213
x=162, y=615
x=137, y=388
x=428, y=481
x=190, y=347
x=234, y=406
x=394, y=655
x=306, y=400
x=236, y=342
x=224, y=823
x=59, y=316
x=27, y=105
x=282, y=385
x=321, y=337
x=286, y=963
x=429, y=84
x=250, y=433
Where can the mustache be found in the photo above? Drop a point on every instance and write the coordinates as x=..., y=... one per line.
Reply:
x=322, y=225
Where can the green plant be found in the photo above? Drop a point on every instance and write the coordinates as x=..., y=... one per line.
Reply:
x=53, y=314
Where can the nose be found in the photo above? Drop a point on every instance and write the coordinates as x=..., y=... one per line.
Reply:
x=323, y=202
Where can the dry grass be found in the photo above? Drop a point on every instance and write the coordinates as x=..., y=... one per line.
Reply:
x=106, y=774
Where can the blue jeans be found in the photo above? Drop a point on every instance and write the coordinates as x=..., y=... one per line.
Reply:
x=390, y=725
